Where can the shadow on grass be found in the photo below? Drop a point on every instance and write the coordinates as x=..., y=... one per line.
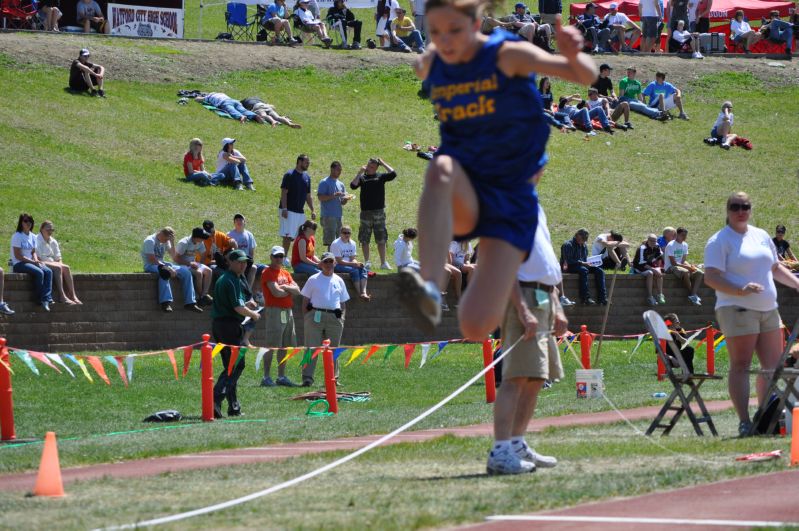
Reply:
x=449, y=478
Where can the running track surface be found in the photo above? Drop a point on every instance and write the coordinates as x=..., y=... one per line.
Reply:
x=154, y=466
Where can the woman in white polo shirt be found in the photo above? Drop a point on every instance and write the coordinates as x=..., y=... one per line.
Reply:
x=741, y=265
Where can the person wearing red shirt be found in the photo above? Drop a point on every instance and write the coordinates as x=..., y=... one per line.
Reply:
x=278, y=288
x=303, y=257
x=194, y=166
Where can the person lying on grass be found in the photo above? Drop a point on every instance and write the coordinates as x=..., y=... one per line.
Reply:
x=267, y=112
x=225, y=103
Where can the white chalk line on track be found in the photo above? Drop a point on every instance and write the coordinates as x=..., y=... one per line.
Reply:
x=639, y=520
x=323, y=469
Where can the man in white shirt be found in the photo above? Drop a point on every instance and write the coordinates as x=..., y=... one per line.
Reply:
x=676, y=264
x=613, y=249
x=346, y=254
x=323, y=298
x=536, y=315
x=311, y=23
x=618, y=22
x=188, y=252
x=650, y=14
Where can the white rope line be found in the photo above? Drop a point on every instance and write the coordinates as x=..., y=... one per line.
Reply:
x=325, y=468
x=636, y=429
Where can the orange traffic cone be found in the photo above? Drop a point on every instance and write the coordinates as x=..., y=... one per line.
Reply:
x=795, y=437
x=48, y=483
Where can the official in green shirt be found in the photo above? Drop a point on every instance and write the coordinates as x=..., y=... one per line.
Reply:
x=231, y=307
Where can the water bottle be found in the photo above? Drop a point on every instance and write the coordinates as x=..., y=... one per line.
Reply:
x=659, y=394
x=782, y=423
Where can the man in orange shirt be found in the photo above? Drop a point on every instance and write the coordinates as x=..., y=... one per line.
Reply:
x=278, y=288
x=219, y=243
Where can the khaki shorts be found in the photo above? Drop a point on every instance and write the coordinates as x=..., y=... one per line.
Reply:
x=681, y=272
x=737, y=321
x=372, y=221
x=538, y=357
x=331, y=227
x=280, y=327
x=548, y=18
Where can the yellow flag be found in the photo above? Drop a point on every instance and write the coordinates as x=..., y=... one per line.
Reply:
x=217, y=349
x=85, y=372
x=355, y=353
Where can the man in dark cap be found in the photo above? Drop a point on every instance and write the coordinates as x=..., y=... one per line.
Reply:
x=188, y=254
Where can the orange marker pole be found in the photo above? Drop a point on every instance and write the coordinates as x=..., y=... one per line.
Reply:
x=6, y=397
x=207, y=380
x=710, y=340
x=795, y=437
x=585, y=346
x=330, y=377
x=661, y=367
x=490, y=377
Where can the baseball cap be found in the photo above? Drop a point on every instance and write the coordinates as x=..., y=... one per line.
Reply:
x=84, y=52
x=226, y=141
x=198, y=232
x=237, y=256
x=277, y=250
x=605, y=66
x=328, y=256
x=520, y=4
x=614, y=5
x=590, y=4
x=208, y=225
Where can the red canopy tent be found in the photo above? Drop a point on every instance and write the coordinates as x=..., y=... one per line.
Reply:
x=722, y=10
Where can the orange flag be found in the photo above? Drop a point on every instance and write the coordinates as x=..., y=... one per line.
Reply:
x=187, y=352
x=171, y=355
x=97, y=365
x=121, y=369
x=372, y=350
x=408, y=354
x=317, y=352
x=234, y=355
x=290, y=353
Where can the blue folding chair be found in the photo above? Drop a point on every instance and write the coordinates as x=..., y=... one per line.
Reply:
x=239, y=24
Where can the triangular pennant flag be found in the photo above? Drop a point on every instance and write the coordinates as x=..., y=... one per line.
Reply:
x=171, y=355
x=441, y=346
x=718, y=341
x=187, y=352
x=26, y=359
x=56, y=358
x=317, y=352
x=129, y=365
x=338, y=352
x=259, y=357
x=44, y=359
x=355, y=353
x=389, y=350
x=306, y=358
x=425, y=350
x=6, y=365
x=117, y=362
x=290, y=353
x=691, y=338
x=217, y=349
x=82, y=366
x=638, y=345
x=408, y=354
x=720, y=346
x=242, y=352
x=234, y=356
x=372, y=350
x=97, y=365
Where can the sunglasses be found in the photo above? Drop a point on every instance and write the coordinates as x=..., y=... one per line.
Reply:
x=328, y=261
x=737, y=207
x=346, y=232
x=278, y=256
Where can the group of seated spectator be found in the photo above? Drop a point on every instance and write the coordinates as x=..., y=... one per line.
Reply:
x=251, y=108
x=88, y=15
x=231, y=166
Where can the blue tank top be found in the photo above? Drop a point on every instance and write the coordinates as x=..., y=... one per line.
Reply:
x=492, y=124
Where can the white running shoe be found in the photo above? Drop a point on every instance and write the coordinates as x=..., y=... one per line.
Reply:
x=527, y=454
x=694, y=300
x=565, y=301
x=385, y=265
x=698, y=55
x=504, y=462
x=368, y=265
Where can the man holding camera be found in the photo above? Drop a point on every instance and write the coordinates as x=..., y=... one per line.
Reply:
x=323, y=298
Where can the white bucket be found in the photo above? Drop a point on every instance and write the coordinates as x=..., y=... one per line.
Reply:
x=590, y=383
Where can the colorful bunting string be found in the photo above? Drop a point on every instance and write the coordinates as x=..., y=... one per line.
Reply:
x=187, y=352
x=409, y=348
x=372, y=350
x=259, y=357
x=171, y=355
x=425, y=350
x=56, y=358
x=117, y=362
x=97, y=365
x=355, y=353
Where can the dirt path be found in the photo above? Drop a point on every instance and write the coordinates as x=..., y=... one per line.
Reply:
x=150, y=467
x=160, y=60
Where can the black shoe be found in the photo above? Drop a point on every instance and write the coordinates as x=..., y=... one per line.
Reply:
x=234, y=410
x=608, y=130
x=628, y=125
x=621, y=127
x=218, y=410
x=167, y=307
x=101, y=93
x=307, y=382
x=603, y=302
x=192, y=308
x=205, y=300
x=589, y=302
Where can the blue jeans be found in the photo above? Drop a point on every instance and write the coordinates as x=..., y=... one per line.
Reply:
x=235, y=173
x=355, y=273
x=640, y=107
x=204, y=177
x=599, y=114
x=308, y=269
x=414, y=40
x=599, y=277
x=558, y=119
x=781, y=31
x=236, y=109
x=164, y=288
x=582, y=117
x=42, y=279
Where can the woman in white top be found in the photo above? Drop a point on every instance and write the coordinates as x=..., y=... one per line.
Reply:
x=25, y=260
x=50, y=253
x=460, y=254
x=741, y=265
x=721, y=129
x=311, y=23
x=741, y=31
x=688, y=40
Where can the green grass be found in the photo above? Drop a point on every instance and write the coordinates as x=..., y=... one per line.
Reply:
x=407, y=486
x=111, y=168
x=82, y=414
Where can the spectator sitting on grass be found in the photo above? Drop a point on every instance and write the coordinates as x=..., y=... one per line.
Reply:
x=604, y=86
x=194, y=166
x=346, y=254
x=742, y=32
x=689, y=42
x=669, y=233
x=779, y=31
x=613, y=249
x=618, y=23
x=579, y=116
x=89, y=15
x=648, y=261
x=406, y=31
x=226, y=104
x=303, y=256
x=574, y=254
x=784, y=253
x=558, y=119
x=721, y=133
x=403, y=249
x=677, y=264
x=85, y=76
x=49, y=252
x=276, y=20
x=187, y=253
x=267, y=112
x=153, y=252
x=311, y=23
x=340, y=18
x=630, y=91
x=233, y=165
x=597, y=110
x=664, y=96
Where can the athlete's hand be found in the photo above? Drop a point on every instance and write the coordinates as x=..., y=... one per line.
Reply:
x=570, y=41
x=529, y=322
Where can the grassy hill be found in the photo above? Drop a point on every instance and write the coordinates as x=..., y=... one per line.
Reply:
x=107, y=172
